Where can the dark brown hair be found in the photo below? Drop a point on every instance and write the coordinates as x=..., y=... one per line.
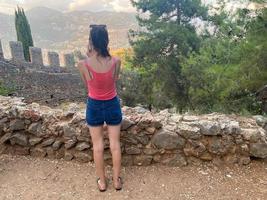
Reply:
x=99, y=39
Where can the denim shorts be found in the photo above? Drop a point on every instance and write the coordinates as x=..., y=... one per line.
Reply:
x=100, y=111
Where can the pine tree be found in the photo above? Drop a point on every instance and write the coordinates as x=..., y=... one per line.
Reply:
x=167, y=34
x=23, y=31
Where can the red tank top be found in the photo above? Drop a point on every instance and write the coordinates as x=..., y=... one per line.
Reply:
x=102, y=86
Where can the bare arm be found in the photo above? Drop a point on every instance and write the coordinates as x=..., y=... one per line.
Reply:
x=118, y=69
x=80, y=68
x=83, y=72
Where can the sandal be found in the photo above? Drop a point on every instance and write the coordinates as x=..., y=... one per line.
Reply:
x=120, y=180
x=98, y=185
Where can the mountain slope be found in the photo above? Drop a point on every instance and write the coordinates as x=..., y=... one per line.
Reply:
x=53, y=29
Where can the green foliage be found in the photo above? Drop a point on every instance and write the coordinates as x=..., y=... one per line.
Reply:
x=218, y=71
x=23, y=31
x=167, y=35
x=229, y=68
x=3, y=90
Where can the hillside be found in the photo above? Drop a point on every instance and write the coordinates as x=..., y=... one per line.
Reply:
x=53, y=29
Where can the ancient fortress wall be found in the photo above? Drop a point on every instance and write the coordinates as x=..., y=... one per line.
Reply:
x=36, y=58
x=46, y=84
x=146, y=138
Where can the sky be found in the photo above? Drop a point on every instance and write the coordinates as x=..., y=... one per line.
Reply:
x=8, y=6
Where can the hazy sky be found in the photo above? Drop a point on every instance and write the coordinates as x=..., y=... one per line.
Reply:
x=7, y=6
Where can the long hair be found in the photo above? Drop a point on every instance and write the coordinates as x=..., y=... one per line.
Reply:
x=99, y=40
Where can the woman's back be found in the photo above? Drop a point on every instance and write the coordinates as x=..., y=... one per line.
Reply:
x=101, y=85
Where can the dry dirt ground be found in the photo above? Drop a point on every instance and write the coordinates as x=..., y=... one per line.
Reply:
x=34, y=178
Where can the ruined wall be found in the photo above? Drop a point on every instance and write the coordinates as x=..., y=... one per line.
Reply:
x=42, y=87
x=146, y=138
x=39, y=83
x=54, y=64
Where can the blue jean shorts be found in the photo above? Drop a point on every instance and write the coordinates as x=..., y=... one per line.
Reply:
x=100, y=111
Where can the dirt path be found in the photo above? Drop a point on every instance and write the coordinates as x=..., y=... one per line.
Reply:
x=33, y=178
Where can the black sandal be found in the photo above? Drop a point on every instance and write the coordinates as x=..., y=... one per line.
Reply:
x=120, y=179
x=101, y=190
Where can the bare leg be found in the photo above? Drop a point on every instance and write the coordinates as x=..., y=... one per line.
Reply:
x=114, y=140
x=98, y=149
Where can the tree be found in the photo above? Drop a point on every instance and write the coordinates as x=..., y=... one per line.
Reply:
x=23, y=31
x=167, y=34
x=230, y=66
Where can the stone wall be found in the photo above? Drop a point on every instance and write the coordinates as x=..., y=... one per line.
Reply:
x=146, y=138
x=41, y=86
x=54, y=64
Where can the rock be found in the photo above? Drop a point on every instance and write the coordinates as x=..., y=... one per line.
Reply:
x=57, y=144
x=32, y=114
x=5, y=138
x=189, y=132
x=167, y=140
x=143, y=160
x=3, y=120
x=244, y=149
x=23, y=151
x=150, y=130
x=194, y=148
x=232, y=128
x=209, y=127
x=156, y=123
x=82, y=146
x=35, y=128
x=126, y=123
x=132, y=150
x=83, y=157
x=38, y=152
x=143, y=139
x=216, y=146
x=85, y=132
x=127, y=160
x=170, y=127
x=68, y=131
x=35, y=140
x=176, y=118
x=230, y=159
x=252, y=135
x=48, y=142
x=26, y=121
x=68, y=156
x=20, y=139
x=129, y=139
x=73, y=108
x=140, y=110
x=59, y=153
x=77, y=118
x=50, y=152
x=83, y=138
x=70, y=143
x=189, y=118
x=150, y=151
x=206, y=156
x=157, y=158
x=258, y=150
x=260, y=120
x=244, y=160
x=17, y=125
x=173, y=160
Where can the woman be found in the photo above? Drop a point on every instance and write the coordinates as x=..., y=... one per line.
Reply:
x=99, y=73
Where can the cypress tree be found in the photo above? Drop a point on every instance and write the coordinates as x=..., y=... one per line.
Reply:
x=23, y=31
